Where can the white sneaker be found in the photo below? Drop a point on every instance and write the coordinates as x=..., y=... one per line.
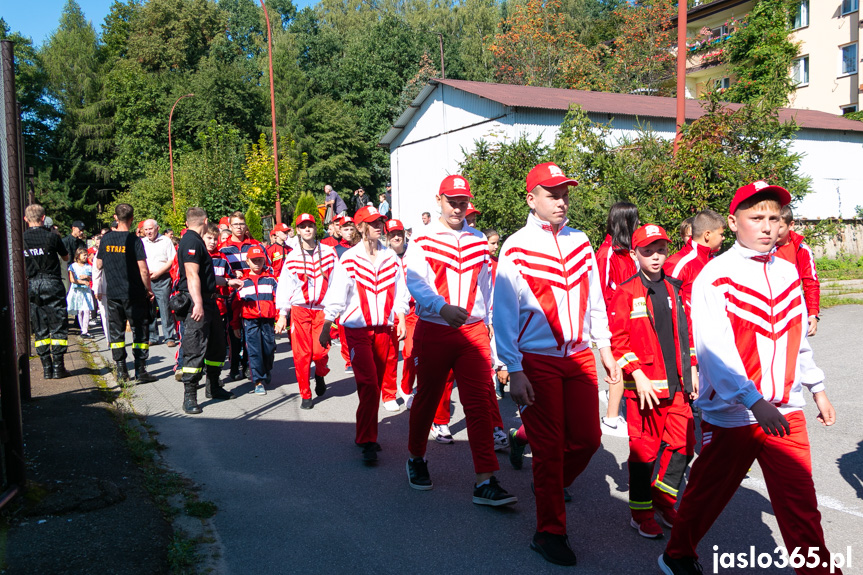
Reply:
x=409, y=401
x=441, y=433
x=603, y=396
x=391, y=405
x=501, y=441
x=349, y=369
x=615, y=426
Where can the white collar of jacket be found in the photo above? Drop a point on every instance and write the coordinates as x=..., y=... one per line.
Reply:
x=359, y=251
x=437, y=227
x=749, y=254
x=534, y=221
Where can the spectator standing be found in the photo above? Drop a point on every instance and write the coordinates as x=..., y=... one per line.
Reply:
x=384, y=206
x=127, y=284
x=160, y=256
x=79, y=300
x=98, y=285
x=334, y=203
x=360, y=199
x=426, y=218
x=75, y=239
x=48, y=318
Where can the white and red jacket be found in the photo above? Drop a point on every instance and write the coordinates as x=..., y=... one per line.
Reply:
x=749, y=324
x=685, y=266
x=800, y=254
x=305, y=278
x=446, y=266
x=255, y=300
x=547, y=295
x=366, y=294
x=615, y=266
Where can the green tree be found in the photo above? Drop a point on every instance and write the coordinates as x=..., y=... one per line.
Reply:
x=255, y=224
x=259, y=187
x=307, y=204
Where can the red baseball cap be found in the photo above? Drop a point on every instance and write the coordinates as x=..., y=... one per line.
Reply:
x=303, y=218
x=140, y=224
x=758, y=187
x=547, y=175
x=647, y=234
x=347, y=220
x=455, y=186
x=367, y=214
x=394, y=226
x=283, y=227
x=256, y=251
x=224, y=222
x=472, y=210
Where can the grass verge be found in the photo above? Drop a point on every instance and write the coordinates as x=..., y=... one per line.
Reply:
x=831, y=301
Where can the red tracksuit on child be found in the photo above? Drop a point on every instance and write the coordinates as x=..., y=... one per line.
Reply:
x=549, y=287
x=800, y=254
x=614, y=266
x=685, y=265
x=368, y=296
x=302, y=287
x=750, y=337
x=666, y=432
x=254, y=311
x=444, y=267
x=277, y=254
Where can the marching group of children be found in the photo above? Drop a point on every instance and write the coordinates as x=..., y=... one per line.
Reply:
x=727, y=333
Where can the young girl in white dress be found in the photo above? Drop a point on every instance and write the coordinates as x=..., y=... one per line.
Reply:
x=79, y=299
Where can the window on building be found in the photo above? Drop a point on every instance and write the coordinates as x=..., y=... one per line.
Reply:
x=722, y=83
x=848, y=109
x=800, y=71
x=800, y=16
x=848, y=59
x=849, y=6
x=719, y=32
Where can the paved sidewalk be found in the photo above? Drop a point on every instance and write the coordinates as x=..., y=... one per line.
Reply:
x=294, y=497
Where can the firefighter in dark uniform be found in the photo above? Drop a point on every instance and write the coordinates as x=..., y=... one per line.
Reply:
x=204, y=335
x=48, y=318
x=123, y=261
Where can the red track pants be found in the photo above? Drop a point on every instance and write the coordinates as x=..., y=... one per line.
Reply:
x=563, y=427
x=661, y=444
x=346, y=355
x=443, y=415
x=727, y=454
x=306, y=327
x=372, y=350
x=465, y=351
x=409, y=368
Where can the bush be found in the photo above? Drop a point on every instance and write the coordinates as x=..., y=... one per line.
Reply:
x=307, y=204
x=255, y=223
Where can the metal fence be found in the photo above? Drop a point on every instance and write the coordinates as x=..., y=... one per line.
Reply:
x=14, y=306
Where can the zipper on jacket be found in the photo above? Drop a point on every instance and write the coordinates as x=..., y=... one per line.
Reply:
x=772, y=337
x=566, y=289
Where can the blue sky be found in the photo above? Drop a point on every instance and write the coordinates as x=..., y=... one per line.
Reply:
x=39, y=19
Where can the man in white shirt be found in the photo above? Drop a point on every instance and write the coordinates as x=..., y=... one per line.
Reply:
x=160, y=255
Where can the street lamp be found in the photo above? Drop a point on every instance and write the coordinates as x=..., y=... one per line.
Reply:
x=273, y=113
x=171, y=149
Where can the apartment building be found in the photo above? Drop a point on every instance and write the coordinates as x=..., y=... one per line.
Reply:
x=827, y=72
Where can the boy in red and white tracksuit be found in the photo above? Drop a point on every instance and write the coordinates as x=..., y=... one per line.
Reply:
x=549, y=307
x=793, y=248
x=368, y=292
x=650, y=341
x=448, y=276
x=396, y=242
x=302, y=287
x=279, y=249
x=704, y=243
x=254, y=314
x=749, y=322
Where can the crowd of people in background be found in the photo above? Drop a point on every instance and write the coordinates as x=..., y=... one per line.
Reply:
x=680, y=337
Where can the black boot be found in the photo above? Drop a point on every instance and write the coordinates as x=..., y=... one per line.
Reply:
x=122, y=372
x=47, y=367
x=214, y=390
x=190, y=398
x=141, y=374
x=59, y=367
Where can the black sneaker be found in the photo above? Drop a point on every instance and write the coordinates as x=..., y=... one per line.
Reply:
x=493, y=494
x=320, y=385
x=370, y=452
x=682, y=566
x=307, y=404
x=516, y=451
x=553, y=548
x=418, y=474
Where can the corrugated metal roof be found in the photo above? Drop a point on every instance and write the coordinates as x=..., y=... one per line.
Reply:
x=536, y=97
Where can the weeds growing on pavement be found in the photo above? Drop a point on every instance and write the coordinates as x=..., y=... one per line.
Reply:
x=163, y=485
x=831, y=301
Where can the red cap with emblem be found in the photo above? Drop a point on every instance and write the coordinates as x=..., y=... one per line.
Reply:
x=346, y=220
x=395, y=226
x=647, y=234
x=224, y=223
x=256, y=251
x=303, y=218
x=472, y=210
x=367, y=214
x=454, y=186
x=749, y=190
x=281, y=228
x=547, y=175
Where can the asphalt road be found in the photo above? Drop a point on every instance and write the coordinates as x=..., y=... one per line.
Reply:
x=294, y=497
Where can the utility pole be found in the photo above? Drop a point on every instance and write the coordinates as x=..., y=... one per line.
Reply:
x=682, y=6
